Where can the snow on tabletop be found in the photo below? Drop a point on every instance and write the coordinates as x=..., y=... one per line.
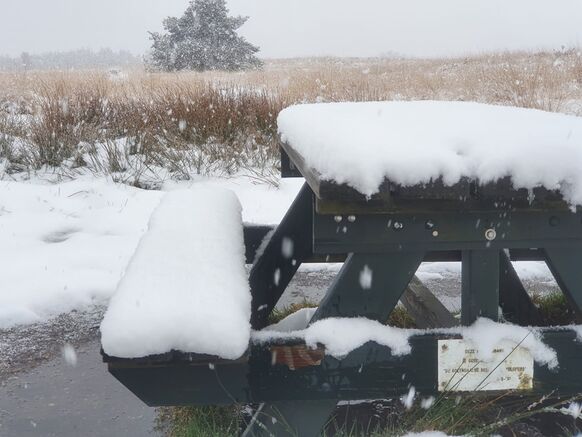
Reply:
x=186, y=286
x=340, y=336
x=411, y=143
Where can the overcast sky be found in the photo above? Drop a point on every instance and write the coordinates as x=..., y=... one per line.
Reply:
x=285, y=28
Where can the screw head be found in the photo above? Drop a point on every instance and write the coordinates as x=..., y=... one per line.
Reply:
x=490, y=234
x=338, y=218
x=398, y=226
x=352, y=218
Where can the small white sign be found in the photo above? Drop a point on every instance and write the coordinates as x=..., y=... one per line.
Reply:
x=461, y=369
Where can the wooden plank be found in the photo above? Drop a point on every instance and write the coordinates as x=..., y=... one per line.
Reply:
x=426, y=310
x=369, y=372
x=254, y=236
x=514, y=300
x=467, y=194
x=444, y=231
x=288, y=169
x=565, y=264
x=274, y=268
x=369, y=285
x=480, y=285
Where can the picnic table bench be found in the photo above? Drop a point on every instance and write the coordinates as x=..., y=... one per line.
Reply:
x=296, y=385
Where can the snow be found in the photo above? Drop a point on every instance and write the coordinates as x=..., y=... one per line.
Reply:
x=366, y=278
x=408, y=399
x=409, y=143
x=65, y=245
x=294, y=322
x=340, y=336
x=486, y=334
x=186, y=286
x=69, y=354
x=574, y=410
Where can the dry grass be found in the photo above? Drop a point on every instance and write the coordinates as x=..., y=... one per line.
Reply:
x=199, y=123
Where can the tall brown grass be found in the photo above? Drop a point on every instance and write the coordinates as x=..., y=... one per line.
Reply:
x=196, y=123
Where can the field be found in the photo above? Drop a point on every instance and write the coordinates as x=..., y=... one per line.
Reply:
x=145, y=128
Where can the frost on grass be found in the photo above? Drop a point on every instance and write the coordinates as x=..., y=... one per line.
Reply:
x=186, y=286
x=409, y=143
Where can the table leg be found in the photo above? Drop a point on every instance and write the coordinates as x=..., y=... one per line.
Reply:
x=369, y=285
x=566, y=266
x=514, y=300
x=289, y=245
x=479, y=285
x=298, y=419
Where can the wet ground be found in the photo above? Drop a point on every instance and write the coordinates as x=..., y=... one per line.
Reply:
x=59, y=399
x=45, y=392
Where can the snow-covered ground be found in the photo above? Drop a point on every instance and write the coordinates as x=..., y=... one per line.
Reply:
x=64, y=246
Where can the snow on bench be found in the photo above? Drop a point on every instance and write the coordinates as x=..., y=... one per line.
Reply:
x=410, y=143
x=186, y=286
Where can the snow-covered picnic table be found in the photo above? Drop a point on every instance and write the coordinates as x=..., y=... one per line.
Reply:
x=388, y=186
x=373, y=147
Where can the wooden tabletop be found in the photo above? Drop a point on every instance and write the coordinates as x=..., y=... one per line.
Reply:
x=468, y=194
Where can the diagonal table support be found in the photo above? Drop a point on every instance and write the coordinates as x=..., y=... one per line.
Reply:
x=304, y=419
x=514, y=300
x=369, y=285
x=289, y=245
x=565, y=265
x=479, y=285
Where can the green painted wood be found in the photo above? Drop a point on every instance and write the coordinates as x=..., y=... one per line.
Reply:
x=274, y=268
x=369, y=285
x=369, y=372
x=290, y=419
x=254, y=236
x=565, y=263
x=424, y=308
x=445, y=231
x=467, y=194
x=480, y=285
x=514, y=300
